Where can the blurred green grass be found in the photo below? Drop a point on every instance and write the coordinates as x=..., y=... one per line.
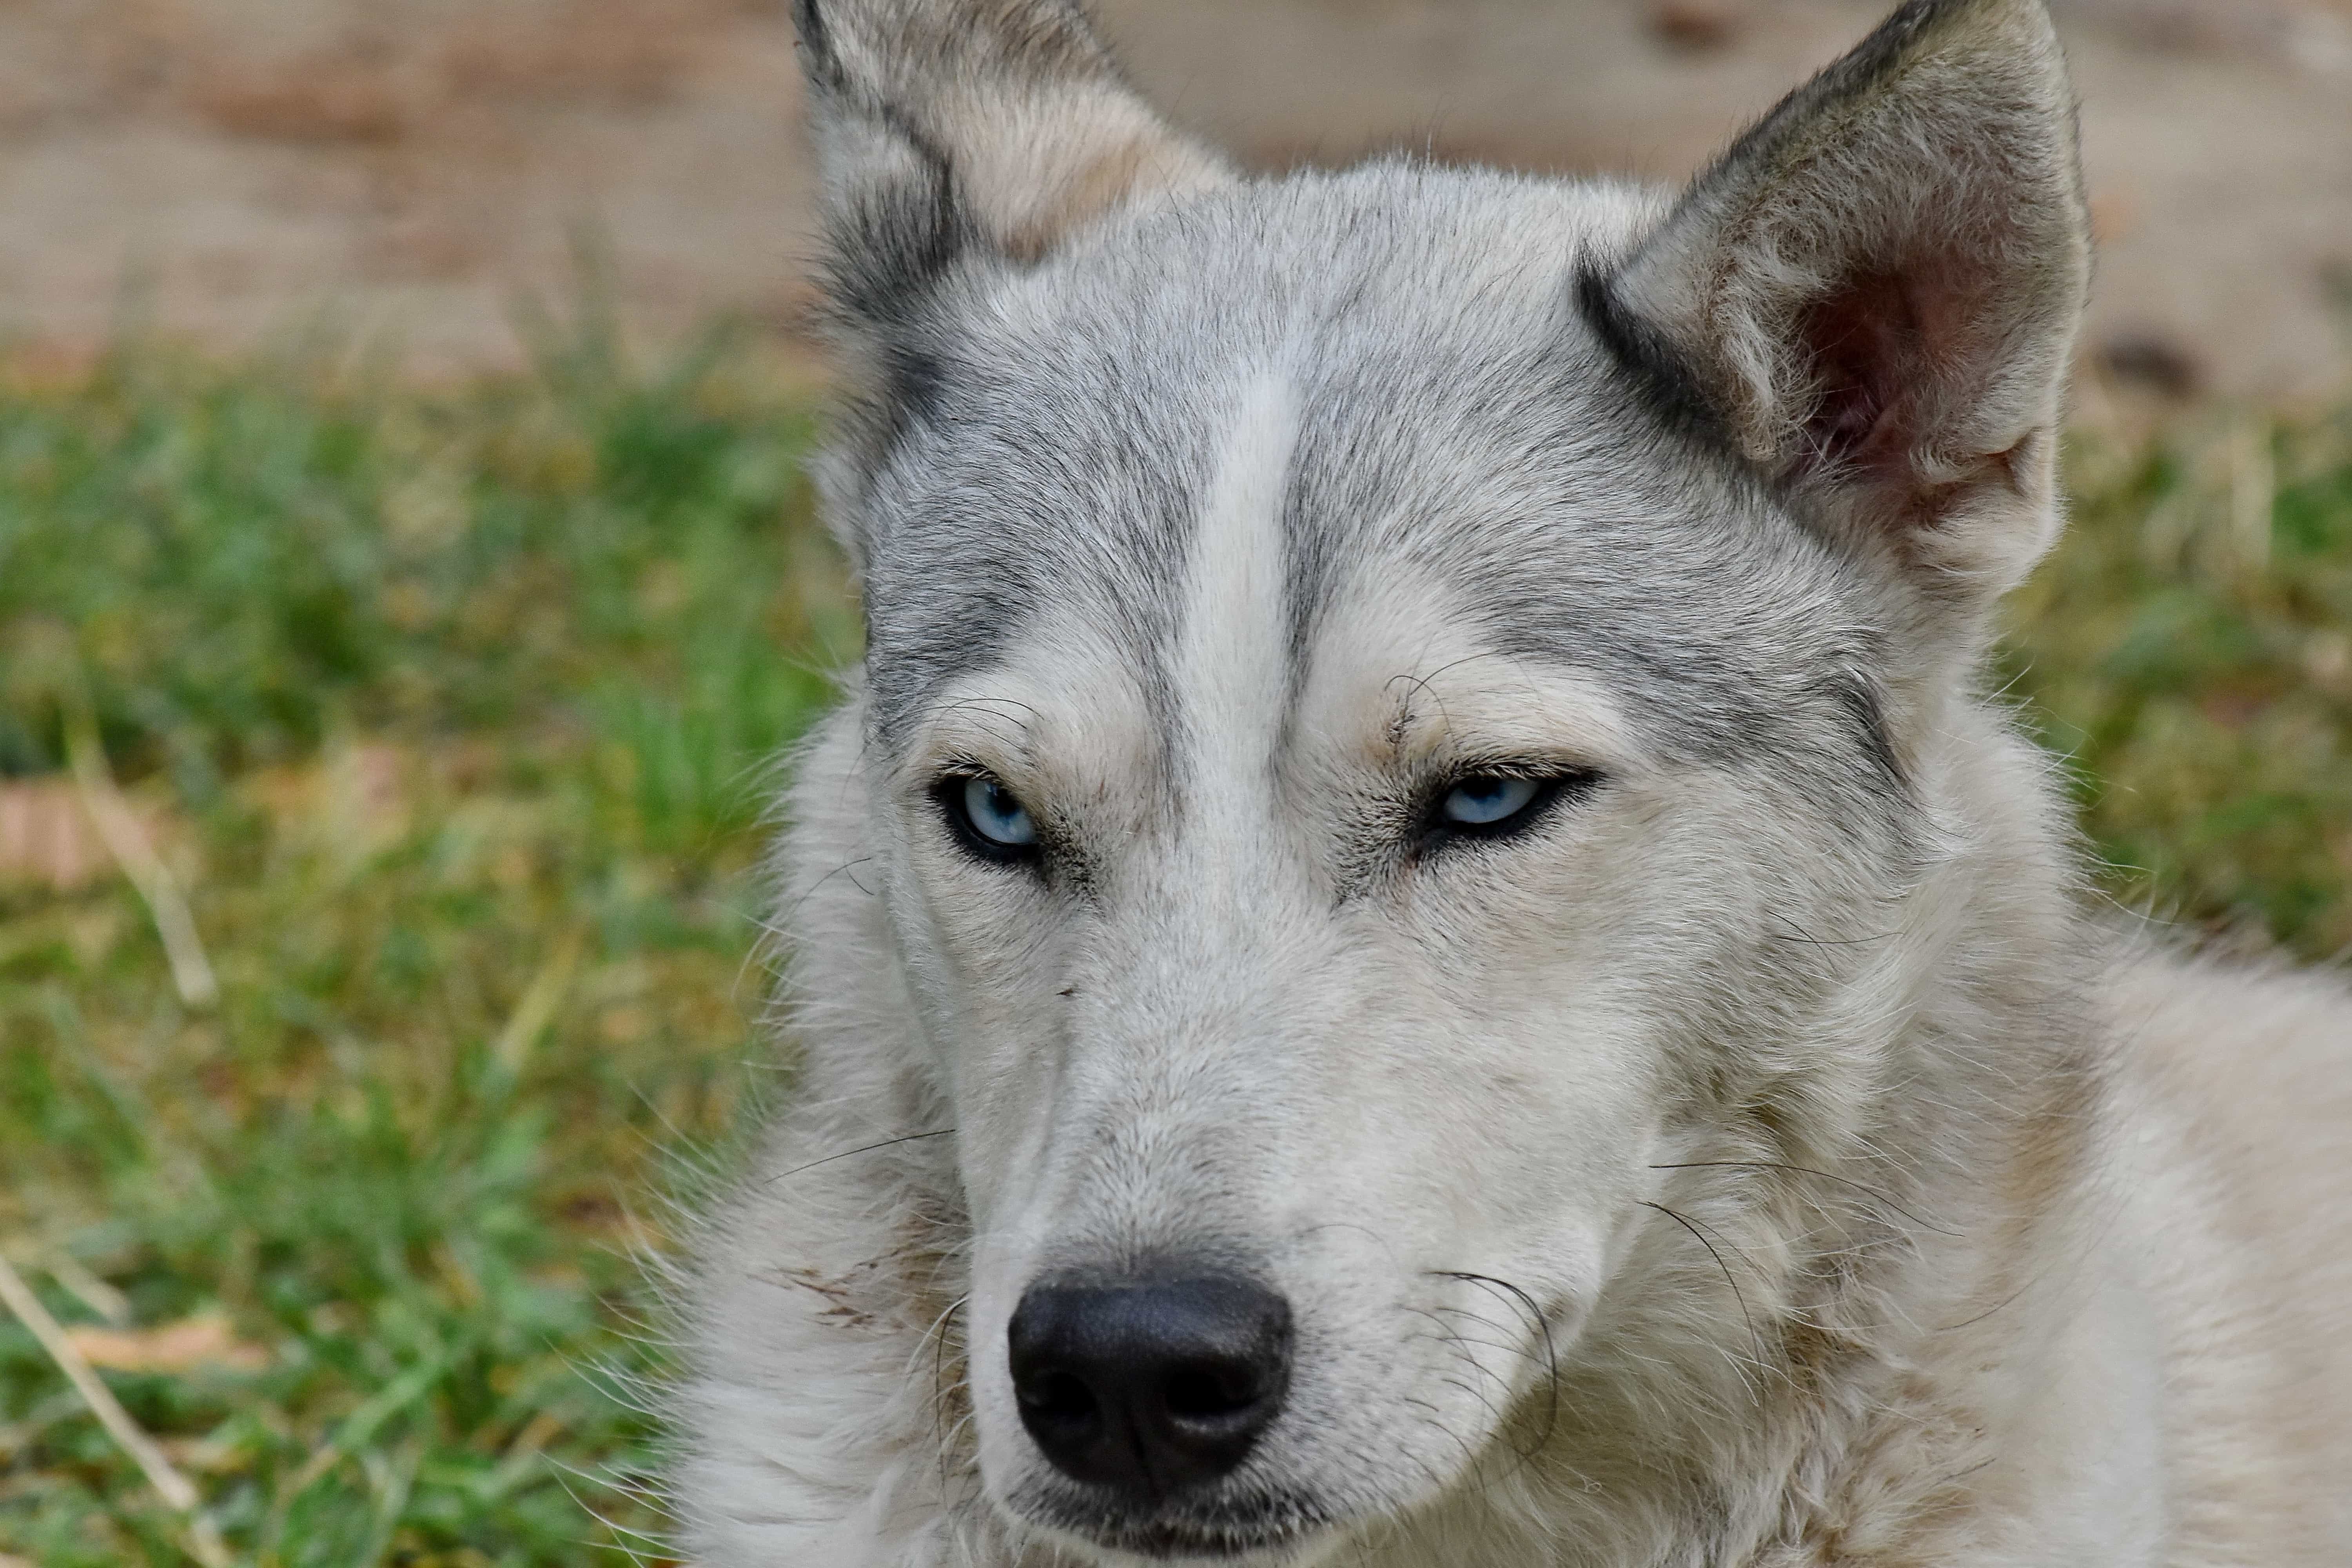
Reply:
x=2188, y=648
x=452, y=709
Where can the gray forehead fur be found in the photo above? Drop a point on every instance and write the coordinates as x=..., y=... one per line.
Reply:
x=1455, y=411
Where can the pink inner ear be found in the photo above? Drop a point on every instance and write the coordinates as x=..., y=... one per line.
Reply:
x=1884, y=348
x=1867, y=348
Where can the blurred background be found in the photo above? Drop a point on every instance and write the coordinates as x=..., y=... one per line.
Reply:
x=402, y=168
x=407, y=574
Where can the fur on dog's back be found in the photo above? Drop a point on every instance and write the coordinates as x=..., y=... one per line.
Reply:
x=1421, y=778
x=2231, y=1154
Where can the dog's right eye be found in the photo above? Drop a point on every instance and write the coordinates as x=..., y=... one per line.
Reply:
x=989, y=819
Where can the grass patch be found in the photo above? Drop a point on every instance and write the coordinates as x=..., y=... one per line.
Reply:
x=449, y=709
x=2189, y=648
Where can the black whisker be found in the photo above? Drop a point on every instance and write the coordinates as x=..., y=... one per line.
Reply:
x=1869, y=1192
x=862, y=1149
x=1436, y=1482
x=1543, y=1326
x=1989, y=1312
x=1701, y=1236
x=775, y=927
x=1500, y=1415
x=1797, y=933
x=1469, y=1454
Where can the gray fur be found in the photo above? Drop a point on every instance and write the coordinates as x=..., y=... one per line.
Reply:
x=1760, y=1161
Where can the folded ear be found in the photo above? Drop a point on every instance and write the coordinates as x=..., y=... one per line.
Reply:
x=1873, y=295
x=945, y=125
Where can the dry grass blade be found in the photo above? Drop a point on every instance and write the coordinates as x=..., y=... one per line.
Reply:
x=191, y=973
x=204, y=1544
x=192, y=1344
x=45, y=838
x=89, y=1289
x=538, y=1007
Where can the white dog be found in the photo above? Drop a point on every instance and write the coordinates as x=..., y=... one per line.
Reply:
x=1417, y=943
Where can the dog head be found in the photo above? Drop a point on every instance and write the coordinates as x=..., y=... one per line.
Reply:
x=1403, y=709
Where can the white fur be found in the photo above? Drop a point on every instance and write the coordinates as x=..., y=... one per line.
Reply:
x=1766, y=1161
x=1230, y=665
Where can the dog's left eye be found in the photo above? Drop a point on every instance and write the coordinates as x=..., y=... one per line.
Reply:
x=1488, y=800
x=1496, y=806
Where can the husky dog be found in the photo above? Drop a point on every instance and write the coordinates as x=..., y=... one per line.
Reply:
x=1418, y=945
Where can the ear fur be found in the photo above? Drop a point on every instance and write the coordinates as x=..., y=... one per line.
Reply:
x=1872, y=296
x=948, y=129
x=942, y=125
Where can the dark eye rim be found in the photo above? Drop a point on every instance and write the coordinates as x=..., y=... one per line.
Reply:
x=1555, y=785
x=948, y=793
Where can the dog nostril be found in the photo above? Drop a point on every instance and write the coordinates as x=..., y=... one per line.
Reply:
x=1148, y=1387
x=1061, y=1399
x=1206, y=1395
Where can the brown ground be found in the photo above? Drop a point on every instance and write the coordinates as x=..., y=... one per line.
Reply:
x=406, y=169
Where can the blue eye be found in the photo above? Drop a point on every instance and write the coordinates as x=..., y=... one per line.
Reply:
x=993, y=814
x=1488, y=800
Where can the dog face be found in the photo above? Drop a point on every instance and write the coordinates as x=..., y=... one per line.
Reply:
x=1394, y=719
x=1360, y=810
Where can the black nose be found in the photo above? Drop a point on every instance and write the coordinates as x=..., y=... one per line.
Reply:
x=1149, y=1387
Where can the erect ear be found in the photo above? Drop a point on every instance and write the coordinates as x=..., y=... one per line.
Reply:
x=945, y=125
x=1873, y=295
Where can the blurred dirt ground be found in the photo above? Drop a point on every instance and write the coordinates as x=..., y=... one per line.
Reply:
x=402, y=171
